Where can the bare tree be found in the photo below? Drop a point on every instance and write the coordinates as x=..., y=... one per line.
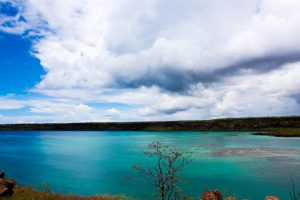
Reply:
x=294, y=195
x=165, y=170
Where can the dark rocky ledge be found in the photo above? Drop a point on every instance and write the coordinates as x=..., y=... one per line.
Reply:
x=6, y=185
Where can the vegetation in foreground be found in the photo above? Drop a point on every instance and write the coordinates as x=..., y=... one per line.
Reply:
x=27, y=193
x=165, y=171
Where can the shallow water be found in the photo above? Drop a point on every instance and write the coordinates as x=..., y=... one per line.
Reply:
x=88, y=163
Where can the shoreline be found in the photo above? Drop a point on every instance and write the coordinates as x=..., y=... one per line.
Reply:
x=288, y=126
x=288, y=132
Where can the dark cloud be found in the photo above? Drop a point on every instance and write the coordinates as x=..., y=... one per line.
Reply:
x=260, y=65
x=171, y=110
x=180, y=81
x=296, y=97
x=166, y=79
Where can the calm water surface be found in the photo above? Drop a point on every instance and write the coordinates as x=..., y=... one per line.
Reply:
x=88, y=163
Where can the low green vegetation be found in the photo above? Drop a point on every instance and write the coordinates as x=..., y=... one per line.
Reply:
x=281, y=132
x=27, y=193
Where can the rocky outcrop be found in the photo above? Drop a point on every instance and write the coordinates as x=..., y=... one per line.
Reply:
x=271, y=198
x=216, y=195
x=211, y=195
x=6, y=185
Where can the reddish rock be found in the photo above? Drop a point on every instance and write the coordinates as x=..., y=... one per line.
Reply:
x=6, y=185
x=4, y=191
x=9, y=183
x=211, y=195
x=2, y=182
x=272, y=198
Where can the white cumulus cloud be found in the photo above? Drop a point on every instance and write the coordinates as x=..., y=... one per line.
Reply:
x=169, y=60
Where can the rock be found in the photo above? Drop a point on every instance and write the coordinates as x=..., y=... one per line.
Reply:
x=2, y=182
x=2, y=174
x=271, y=198
x=230, y=198
x=6, y=185
x=9, y=183
x=4, y=191
x=211, y=195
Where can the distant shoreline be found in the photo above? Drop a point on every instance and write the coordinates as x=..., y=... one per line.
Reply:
x=288, y=126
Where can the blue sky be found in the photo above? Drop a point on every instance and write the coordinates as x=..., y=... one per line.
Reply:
x=132, y=60
x=19, y=70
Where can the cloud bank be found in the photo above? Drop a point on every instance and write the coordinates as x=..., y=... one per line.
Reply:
x=194, y=59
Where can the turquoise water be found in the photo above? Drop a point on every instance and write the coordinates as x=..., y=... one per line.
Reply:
x=88, y=163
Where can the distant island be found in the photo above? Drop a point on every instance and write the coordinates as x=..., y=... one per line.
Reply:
x=288, y=126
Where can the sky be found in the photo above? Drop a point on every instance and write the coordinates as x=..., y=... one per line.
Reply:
x=148, y=60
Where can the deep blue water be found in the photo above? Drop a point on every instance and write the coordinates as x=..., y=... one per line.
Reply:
x=88, y=163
